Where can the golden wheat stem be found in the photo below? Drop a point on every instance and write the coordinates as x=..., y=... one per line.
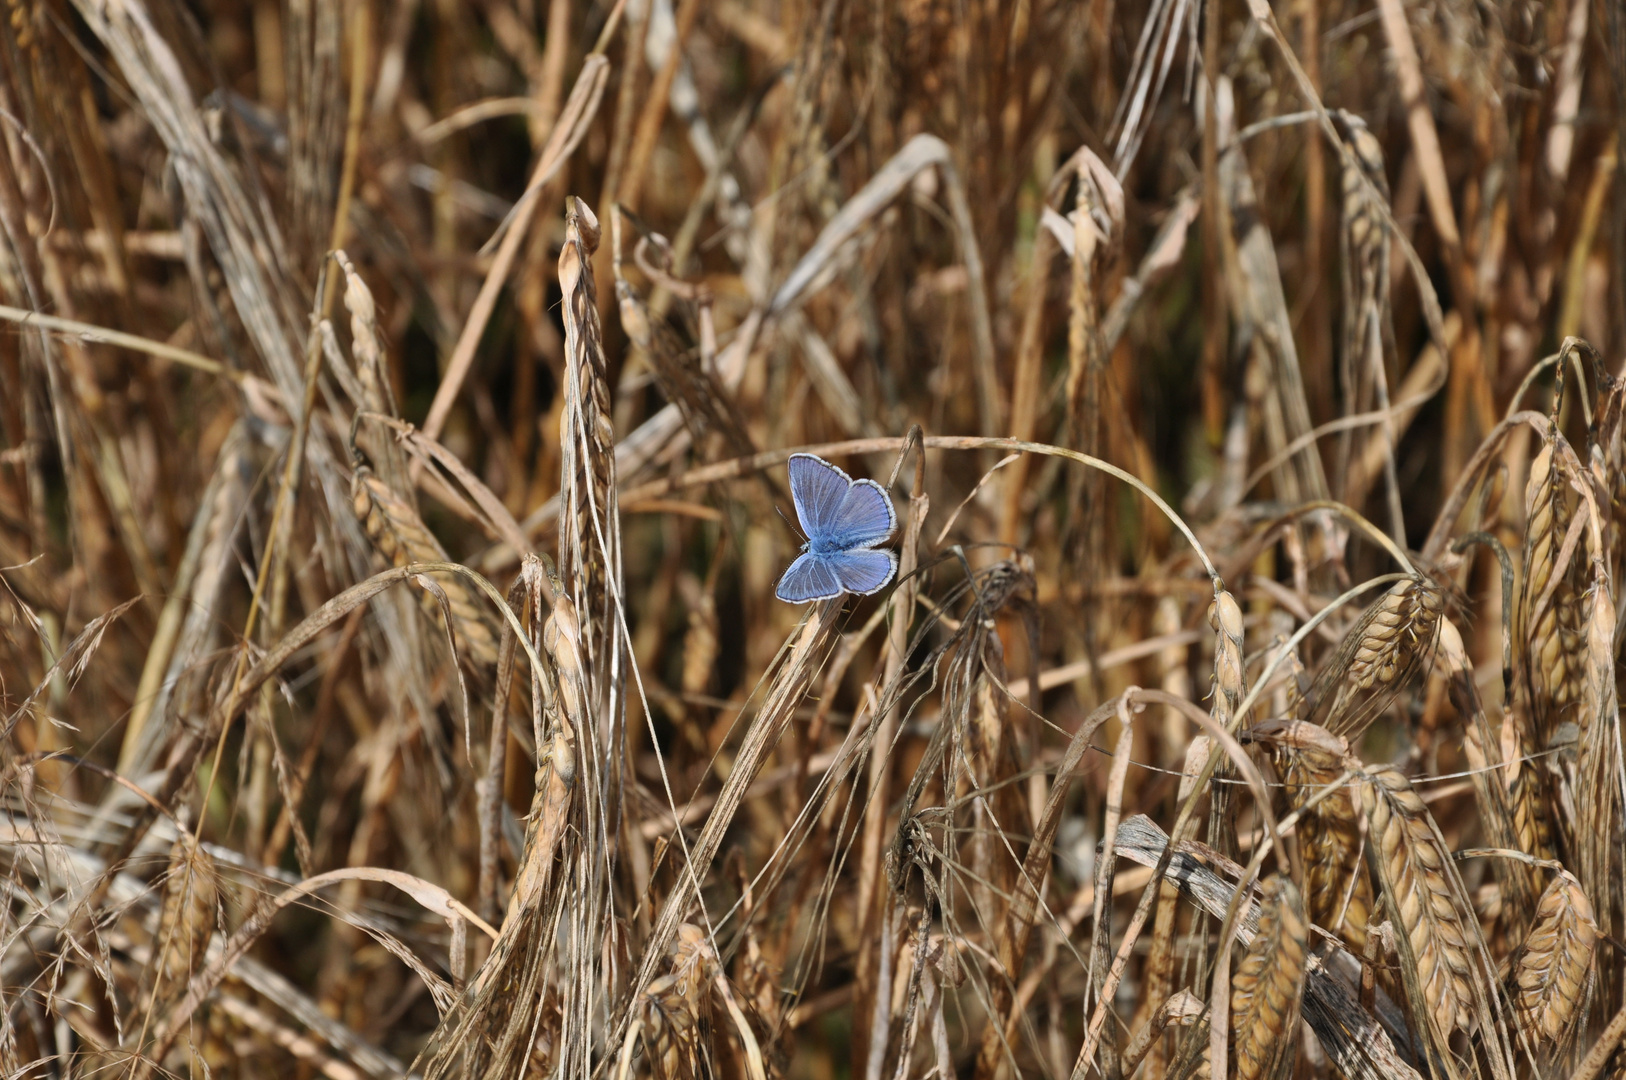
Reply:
x=1597, y=1057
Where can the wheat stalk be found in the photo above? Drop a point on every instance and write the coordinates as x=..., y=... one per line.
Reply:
x=1230, y=686
x=492, y=1031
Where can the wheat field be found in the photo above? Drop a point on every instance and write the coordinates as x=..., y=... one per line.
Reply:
x=396, y=409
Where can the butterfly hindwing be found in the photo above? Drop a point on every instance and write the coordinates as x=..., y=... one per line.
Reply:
x=866, y=516
x=819, y=488
x=864, y=570
x=810, y=577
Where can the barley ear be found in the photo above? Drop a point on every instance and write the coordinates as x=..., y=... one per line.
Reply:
x=1431, y=932
x=1266, y=989
x=1338, y=892
x=186, y=921
x=1450, y=984
x=401, y=538
x=1548, y=972
x=1549, y=615
x=589, y=519
x=1389, y=646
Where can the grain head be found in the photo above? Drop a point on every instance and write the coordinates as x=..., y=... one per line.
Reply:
x=1551, y=970
x=1434, y=927
x=1390, y=645
x=1266, y=987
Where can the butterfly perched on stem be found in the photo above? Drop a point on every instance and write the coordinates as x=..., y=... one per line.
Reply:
x=845, y=520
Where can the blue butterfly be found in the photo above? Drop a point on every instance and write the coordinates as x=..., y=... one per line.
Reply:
x=844, y=520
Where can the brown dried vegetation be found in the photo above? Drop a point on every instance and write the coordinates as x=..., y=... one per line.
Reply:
x=394, y=408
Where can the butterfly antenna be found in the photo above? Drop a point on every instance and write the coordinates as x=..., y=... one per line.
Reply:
x=794, y=527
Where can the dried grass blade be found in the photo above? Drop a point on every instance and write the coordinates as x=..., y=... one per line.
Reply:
x=919, y=153
x=693, y=387
x=430, y=895
x=1599, y=783
x=790, y=683
x=492, y=1030
x=568, y=131
x=1266, y=18
x=1262, y=314
x=1483, y=753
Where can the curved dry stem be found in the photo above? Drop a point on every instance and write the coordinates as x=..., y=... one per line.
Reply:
x=1355, y=518
x=1343, y=423
x=728, y=470
x=431, y=896
x=162, y=350
x=1528, y=381
x=1470, y=476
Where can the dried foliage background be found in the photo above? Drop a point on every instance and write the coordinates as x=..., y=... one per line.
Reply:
x=394, y=402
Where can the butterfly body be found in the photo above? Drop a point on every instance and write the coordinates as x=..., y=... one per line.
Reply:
x=845, y=520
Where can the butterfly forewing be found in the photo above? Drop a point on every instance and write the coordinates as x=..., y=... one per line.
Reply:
x=810, y=577
x=819, y=489
x=863, y=570
x=866, y=516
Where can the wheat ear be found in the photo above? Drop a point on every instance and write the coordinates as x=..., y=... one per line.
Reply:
x=1266, y=989
x=1413, y=866
x=1547, y=973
